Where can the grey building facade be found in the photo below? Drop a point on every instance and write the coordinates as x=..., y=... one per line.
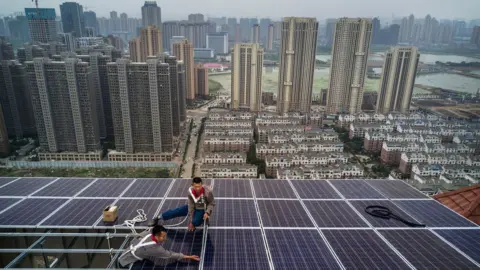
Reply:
x=73, y=20
x=42, y=24
x=151, y=14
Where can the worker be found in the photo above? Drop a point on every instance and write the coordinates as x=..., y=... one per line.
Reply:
x=149, y=245
x=199, y=207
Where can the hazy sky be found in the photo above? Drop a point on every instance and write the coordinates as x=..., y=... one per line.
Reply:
x=321, y=9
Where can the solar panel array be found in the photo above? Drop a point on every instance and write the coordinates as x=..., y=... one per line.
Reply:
x=261, y=224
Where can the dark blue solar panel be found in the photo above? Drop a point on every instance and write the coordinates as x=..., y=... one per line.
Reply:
x=148, y=188
x=235, y=249
x=64, y=187
x=396, y=189
x=181, y=241
x=363, y=249
x=6, y=180
x=127, y=209
x=238, y=213
x=356, y=189
x=435, y=253
x=380, y=222
x=171, y=204
x=79, y=212
x=433, y=214
x=180, y=187
x=6, y=202
x=465, y=240
x=334, y=214
x=281, y=213
x=273, y=189
x=314, y=189
x=24, y=186
x=106, y=187
x=303, y=249
x=30, y=211
x=234, y=188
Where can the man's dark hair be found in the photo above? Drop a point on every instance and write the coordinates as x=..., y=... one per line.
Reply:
x=197, y=180
x=158, y=229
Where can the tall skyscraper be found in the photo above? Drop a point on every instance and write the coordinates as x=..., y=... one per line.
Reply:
x=330, y=31
x=170, y=29
x=255, y=36
x=114, y=21
x=175, y=89
x=245, y=29
x=181, y=91
x=376, y=28
x=3, y=29
x=141, y=108
x=42, y=25
x=15, y=99
x=264, y=23
x=196, y=33
x=297, y=64
x=6, y=50
x=218, y=42
x=201, y=80
x=91, y=21
x=196, y=17
x=124, y=22
x=398, y=79
x=184, y=51
x=270, y=37
x=4, y=144
x=348, y=65
x=232, y=24
x=151, y=14
x=149, y=43
x=247, y=66
x=72, y=18
x=475, y=39
x=64, y=106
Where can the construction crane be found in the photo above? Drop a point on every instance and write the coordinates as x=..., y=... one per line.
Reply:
x=36, y=4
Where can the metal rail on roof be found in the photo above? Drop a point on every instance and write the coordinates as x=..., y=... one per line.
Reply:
x=46, y=234
x=59, y=250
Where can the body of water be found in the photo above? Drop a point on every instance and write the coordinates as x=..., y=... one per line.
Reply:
x=425, y=58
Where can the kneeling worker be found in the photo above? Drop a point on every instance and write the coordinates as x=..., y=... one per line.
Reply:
x=149, y=245
x=199, y=207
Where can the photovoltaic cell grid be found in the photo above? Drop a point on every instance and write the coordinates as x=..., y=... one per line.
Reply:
x=7, y=202
x=235, y=249
x=277, y=213
x=465, y=240
x=24, y=186
x=5, y=180
x=273, y=189
x=78, y=212
x=303, y=249
x=148, y=188
x=232, y=188
x=334, y=214
x=30, y=211
x=65, y=187
x=379, y=222
x=436, y=254
x=396, y=189
x=356, y=189
x=180, y=187
x=127, y=210
x=315, y=189
x=363, y=249
x=238, y=213
x=108, y=187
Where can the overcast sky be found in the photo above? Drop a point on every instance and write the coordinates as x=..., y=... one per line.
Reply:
x=321, y=9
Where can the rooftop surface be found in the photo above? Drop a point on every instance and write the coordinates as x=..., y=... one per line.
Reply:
x=257, y=224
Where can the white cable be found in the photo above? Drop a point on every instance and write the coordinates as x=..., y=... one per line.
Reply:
x=141, y=217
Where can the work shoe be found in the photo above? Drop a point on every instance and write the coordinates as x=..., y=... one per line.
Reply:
x=153, y=222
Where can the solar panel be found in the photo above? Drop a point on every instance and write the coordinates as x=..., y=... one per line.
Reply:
x=334, y=214
x=233, y=188
x=380, y=222
x=356, y=189
x=180, y=187
x=6, y=202
x=314, y=189
x=6, y=180
x=235, y=249
x=273, y=189
x=148, y=188
x=277, y=213
x=302, y=249
x=171, y=204
x=30, y=211
x=127, y=209
x=396, y=189
x=465, y=240
x=436, y=254
x=433, y=214
x=79, y=212
x=363, y=249
x=24, y=186
x=107, y=187
x=237, y=213
x=65, y=187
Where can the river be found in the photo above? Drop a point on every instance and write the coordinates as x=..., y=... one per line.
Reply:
x=321, y=76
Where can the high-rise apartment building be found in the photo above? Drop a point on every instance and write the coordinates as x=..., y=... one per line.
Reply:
x=297, y=64
x=149, y=43
x=15, y=99
x=114, y=21
x=196, y=17
x=6, y=50
x=398, y=79
x=42, y=24
x=475, y=39
x=232, y=25
x=247, y=66
x=264, y=24
x=170, y=29
x=255, y=36
x=348, y=65
x=4, y=144
x=73, y=20
x=64, y=107
x=182, y=107
x=330, y=31
x=151, y=14
x=174, y=91
x=245, y=30
x=18, y=29
x=218, y=42
x=141, y=109
x=196, y=33
x=201, y=80
x=270, y=37
x=91, y=21
x=184, y=51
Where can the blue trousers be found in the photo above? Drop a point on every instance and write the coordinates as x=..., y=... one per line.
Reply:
x=183, y=211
